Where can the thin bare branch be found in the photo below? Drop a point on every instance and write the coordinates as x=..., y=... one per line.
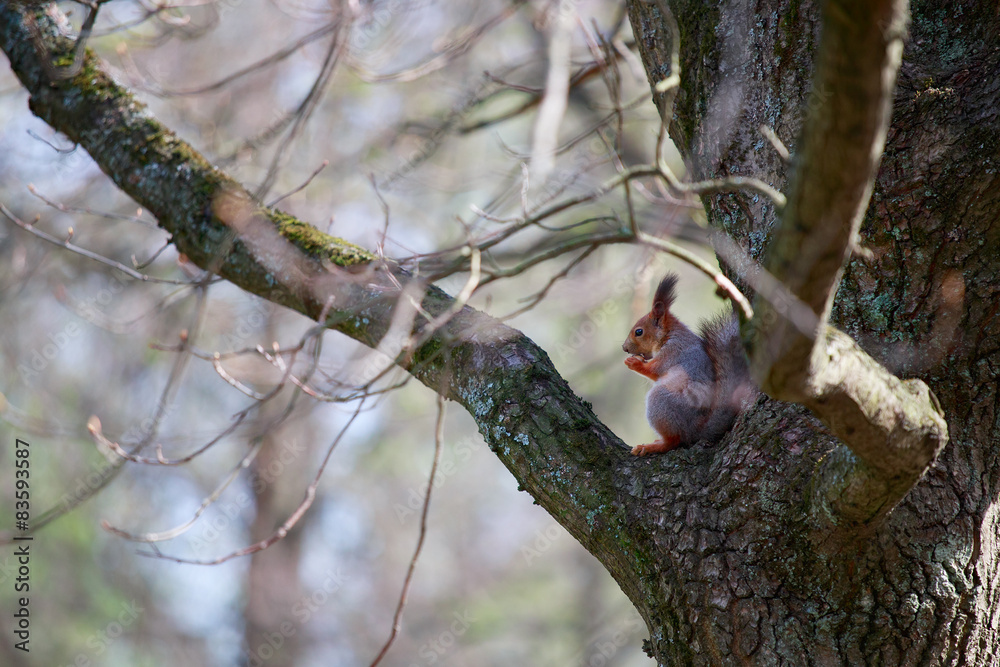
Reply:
x=300, y=188
x=536, y=298
x=149, y=433
x=449, y=53
x=257, y=66
x=545, y=136
x=207, y=502
x=287, y=525
x=305, y=110
x=97, y=257
x=398, y=615
x=776, y=143
x=722, y=185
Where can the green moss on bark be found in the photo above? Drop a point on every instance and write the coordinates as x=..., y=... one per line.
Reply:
x=317, y=244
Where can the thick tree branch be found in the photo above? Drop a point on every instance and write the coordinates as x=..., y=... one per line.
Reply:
x=894, y=428
x=551, y=440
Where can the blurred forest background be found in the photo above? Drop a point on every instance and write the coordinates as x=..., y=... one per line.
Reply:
x=416, y=133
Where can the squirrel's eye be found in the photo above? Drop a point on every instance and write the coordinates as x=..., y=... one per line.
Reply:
x=638, y=332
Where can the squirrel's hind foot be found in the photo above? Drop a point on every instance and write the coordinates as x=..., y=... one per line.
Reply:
x=658, y=447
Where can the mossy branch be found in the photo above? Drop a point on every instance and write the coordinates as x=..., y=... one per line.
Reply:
x=552, y=442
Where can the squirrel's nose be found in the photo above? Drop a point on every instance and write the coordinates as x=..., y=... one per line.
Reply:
x=624, y=349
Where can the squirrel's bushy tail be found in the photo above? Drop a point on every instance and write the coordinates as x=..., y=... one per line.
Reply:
x=735, y=391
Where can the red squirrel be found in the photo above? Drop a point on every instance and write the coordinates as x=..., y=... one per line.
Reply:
x=701, y=382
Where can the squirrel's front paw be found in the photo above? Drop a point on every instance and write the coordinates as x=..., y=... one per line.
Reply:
x=636, y=363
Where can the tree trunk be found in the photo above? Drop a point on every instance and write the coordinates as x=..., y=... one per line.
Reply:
x=755, y=577
x=721, y=548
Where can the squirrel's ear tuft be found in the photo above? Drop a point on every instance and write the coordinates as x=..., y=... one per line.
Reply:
x=665, y=293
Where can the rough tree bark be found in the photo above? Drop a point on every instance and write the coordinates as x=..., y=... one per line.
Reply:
x=720, y=548
x=918, y=586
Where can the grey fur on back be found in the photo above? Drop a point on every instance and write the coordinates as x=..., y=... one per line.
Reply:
x=734, y=391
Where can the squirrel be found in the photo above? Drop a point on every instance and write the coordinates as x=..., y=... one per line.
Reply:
x=702, y=381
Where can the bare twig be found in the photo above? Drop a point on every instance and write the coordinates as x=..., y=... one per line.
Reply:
x=61, y=73
x=398, y=616
x=545, y=136
x=109, y=472
x=453, y=50
x=582, y=75
x=536, y=298
x=776, y=143
x=705, y=267
x=287, y=525
x=152, y=258
x=97, y=257
x=300, y=188
x=257, y=66
x=137, y=218
x=61, y=151
x=205, y=504
x=721, y=185
x=308, y=105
